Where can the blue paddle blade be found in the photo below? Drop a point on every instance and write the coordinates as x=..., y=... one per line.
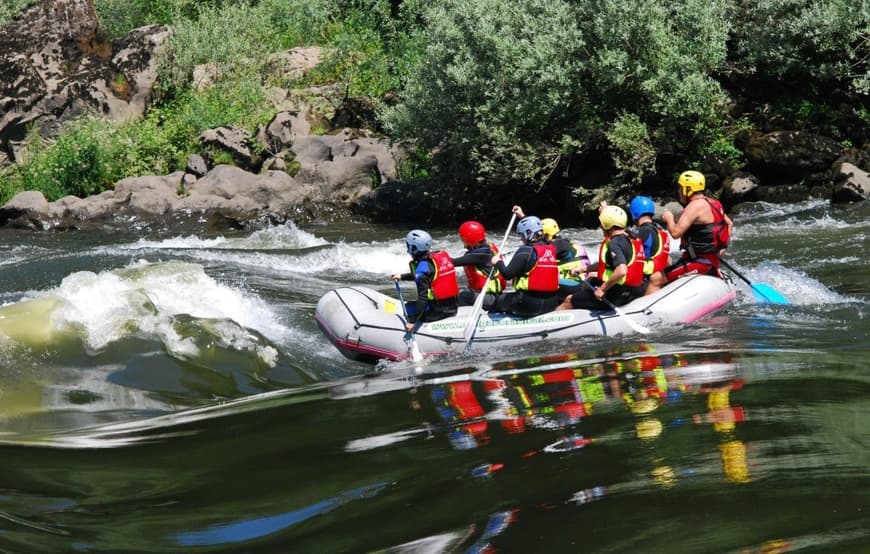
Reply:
x=766, y=293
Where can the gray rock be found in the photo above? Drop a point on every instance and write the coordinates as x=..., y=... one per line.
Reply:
x=196, y=165
x=54, y=67
x=233, y=140
x=788, y=157
x=854, y=184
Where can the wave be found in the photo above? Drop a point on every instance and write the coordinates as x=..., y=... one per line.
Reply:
x=143, y=300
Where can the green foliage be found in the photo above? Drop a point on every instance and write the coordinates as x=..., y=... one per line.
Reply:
x=364, y=44
x=503, y=90
x=119, y=17
x=11, y=8
x=495, y=80
x=222, y=157
x=76, y=163
x=633, y=152
x=502, y=93
x=804, y=41
x=358, y=59
x=719, y=141
x=230, y=38
x=414, y=166
x=92, y=154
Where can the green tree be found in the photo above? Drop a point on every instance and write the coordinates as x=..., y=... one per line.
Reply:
x=504, y=90
x=821, y=42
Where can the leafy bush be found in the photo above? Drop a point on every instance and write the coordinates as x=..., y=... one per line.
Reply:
x=91, y=154
x=119, y=17
x=804, y=41
x=366, y=45
x=504, y=89
x=230, y=37
x=75, y=163
x=633, y=153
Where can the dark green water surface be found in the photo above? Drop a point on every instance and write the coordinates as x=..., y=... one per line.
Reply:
x=172, y=393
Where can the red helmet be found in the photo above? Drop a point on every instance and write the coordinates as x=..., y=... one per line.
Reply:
x=472, y=232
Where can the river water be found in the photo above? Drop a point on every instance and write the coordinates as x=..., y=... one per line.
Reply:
x=172, y=393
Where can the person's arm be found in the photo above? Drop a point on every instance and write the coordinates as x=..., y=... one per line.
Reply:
x=690, y=214
x=730, y=224
x=518, y=211
x=564, y=249
x=619, y=254
x=620, y=271
x=518, y=265
x=424, y=283
x=402, y=276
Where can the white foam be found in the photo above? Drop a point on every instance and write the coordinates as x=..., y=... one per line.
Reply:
x=796, y=286
x=279, y=237
x=144, y=298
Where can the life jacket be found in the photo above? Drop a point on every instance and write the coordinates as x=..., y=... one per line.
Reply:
x=708, y=238
x=659, y=252
x=444, y=283
x=477, y=275
x=544, y=275
x=571, y=256
x=634, y=276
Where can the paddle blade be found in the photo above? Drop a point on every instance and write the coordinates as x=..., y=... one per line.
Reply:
x=766, y=293
x=416, y=355
x=638, y=328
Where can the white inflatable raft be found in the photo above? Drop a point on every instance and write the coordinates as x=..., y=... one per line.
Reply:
x=367, y=325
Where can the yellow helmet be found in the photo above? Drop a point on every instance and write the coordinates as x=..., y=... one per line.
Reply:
x=550, y=227
x=691, y=182
x=613, y=216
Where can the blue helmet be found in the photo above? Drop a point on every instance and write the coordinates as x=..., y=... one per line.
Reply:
x=640, y=206
x=529, y=226
x=418, y=241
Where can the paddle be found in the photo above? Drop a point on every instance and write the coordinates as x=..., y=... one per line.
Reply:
x=416, y=355
x=762, y=291
x=471, y=326
x=632, y=323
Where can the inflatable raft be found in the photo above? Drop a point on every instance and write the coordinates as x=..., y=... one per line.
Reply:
x=367, y=325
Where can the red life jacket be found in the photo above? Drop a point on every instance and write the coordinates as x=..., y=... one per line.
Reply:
x=634, y=276
x=477, y=277
x=444, y=283
x=661, y=258
x=708, y=238
x=544, y=275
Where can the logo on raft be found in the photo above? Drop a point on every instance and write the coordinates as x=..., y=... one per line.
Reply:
x=546, y=319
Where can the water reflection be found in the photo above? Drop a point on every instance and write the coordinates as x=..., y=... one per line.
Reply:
x=662, y=417
x=557, y=393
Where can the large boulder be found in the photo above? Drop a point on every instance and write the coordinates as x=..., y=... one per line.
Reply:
x=54, y=67
x=342, y=167
x=853, y=184
x=791, y=157
x=233, y=141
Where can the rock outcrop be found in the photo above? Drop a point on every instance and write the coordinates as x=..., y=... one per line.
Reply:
x=55, y=67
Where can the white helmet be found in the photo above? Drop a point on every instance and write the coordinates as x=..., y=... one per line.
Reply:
x=418, y=241
x=529, y=226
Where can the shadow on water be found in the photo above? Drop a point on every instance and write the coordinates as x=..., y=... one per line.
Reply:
x=653, y=448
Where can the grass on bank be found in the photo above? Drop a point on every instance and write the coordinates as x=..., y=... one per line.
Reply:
x=91, y=154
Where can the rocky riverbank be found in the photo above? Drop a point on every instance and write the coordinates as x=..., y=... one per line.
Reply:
x=320, y=157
